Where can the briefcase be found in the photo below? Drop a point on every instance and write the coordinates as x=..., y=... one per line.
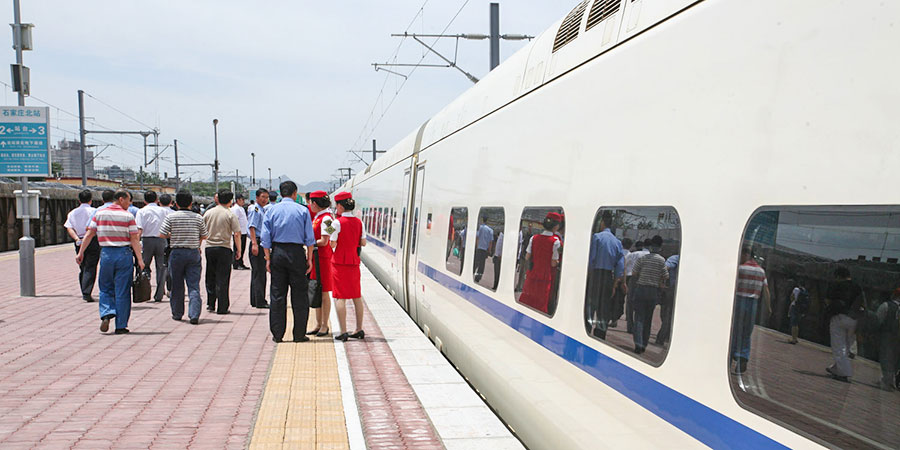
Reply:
x=315, y=286
x=140, y=288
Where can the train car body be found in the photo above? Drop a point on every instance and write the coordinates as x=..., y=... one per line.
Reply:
x=712, y=108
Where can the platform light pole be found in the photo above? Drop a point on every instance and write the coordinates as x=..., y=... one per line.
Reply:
x=253, y=174
x=270, y=178
x=216, y=146
x=26, y=242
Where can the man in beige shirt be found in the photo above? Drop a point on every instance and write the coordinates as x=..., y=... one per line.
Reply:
x=223, y=229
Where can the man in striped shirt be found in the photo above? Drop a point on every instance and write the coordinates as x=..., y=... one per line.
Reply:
x=651, y=275
x=185, y=230
x=116, y=231
x=751, y=285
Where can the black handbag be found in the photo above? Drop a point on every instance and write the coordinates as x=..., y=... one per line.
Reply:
x=140, y=287
x=315, y=286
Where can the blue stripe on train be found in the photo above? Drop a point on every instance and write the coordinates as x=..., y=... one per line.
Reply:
x=383, y=245
x=699, y=421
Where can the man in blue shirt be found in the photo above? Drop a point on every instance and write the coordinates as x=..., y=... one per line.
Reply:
x=288, y=239
x=606, y=269
x=255, y=216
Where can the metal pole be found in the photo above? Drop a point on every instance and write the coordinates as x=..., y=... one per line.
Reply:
x=177, y=175
x=374, y=151
x=253, y=176
x=156, y=154
x=83, y=134
x=495, y=35
x=270, y=178
x=141, y=175
x=26, y=243
x=237, y=178
x=216, y=146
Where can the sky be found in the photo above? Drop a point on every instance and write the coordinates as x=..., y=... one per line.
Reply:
x=289, y=80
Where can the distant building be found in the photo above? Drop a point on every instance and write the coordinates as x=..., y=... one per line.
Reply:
x=68, y=154
x=117, y=173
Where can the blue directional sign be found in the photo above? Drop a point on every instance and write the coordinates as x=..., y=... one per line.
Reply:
x=24, y=141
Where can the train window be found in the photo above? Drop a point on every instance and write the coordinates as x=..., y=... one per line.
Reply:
x=385, y=221
x=633, y=268
x=402, y=227
x=393, y=218
x=539, y=262
x=815, y=334
x=415, y=229
x=456, y=239
x=488, y=247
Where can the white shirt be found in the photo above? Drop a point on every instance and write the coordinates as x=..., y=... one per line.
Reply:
x=242, y=218
x=336, y=224
x=79, y=217
x=326, y=223
x=484, y=237
x=556, y=245
x=632, y=258
x=498, y=248
x=150, y=219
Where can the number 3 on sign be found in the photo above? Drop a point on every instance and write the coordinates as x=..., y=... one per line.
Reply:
x=41, y=130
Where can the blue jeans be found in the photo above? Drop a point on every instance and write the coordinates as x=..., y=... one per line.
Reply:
x=742, y=328
x=116, y=275
x=184, y=268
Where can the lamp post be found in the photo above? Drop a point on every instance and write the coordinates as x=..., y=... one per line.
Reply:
x=253, y=175
x=216, y=146
x=270, y=178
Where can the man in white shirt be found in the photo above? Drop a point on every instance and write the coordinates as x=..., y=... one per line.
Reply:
x=483, y=239
x=241, y=213
x=76, y=226
x=498, y=253
x=630, y=260
x=149, y=220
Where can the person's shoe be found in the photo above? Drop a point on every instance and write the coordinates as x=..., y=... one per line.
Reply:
x=157, y=300
x=852, y=355
x=104, y=325
x=793, y=342
x=361, y=334
x=301, y=339
x=840, y=378
x=614, y=324
x=314, y=331
x=741, y=365
x=223, y=312
x=177, y=319
x=195, y=321
x=122, y=331
x=210, y=308
x=87, y=298
x=263, y=306
x=276, y=340
x=342, y=337
x=323, y=333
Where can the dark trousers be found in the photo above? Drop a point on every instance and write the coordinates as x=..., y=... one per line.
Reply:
x=218, y=277
x=240, y=262
x=87, y=270
x=258, y=277
x=599, y=303
x=667, y=301
x=629, y=304
x=645, y=300
x=480, y=258
x=288, y=264
x=496, y=271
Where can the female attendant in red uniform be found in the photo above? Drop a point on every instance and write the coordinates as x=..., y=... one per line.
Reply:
x=346, y=240
x=543, y=252
x=323, y=226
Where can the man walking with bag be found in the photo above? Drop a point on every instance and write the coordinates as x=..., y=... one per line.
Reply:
x=116, y=230
x=149, y=219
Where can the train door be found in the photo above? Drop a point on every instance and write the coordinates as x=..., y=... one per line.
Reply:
x=402, y=260
x=415, y=229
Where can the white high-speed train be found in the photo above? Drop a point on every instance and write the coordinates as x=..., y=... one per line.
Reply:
x=697, y=121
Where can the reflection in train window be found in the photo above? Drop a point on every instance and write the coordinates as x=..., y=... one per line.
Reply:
x=393, y=218
x=633, y=268
x=815, y=332
x=456, y=239
x=385, y=223
x=488, y=247
x=539, y=262
x=402, y=227
x=415, y=229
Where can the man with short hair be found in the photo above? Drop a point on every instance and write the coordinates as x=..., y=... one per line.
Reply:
x=483, y=239
x=650, y=275
x=223, y=228
x=752, y=286
x=149, y=219
x=273, y=199
x=606, y=267
x=241, y=214
x=186, y=230
x=76, y=225
x=165, y=201
x=116, y=231
x=257, y=254
x=844, y=301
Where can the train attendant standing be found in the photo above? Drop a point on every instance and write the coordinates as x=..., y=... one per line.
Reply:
x=346, y=240
x=288, y=240
x=543, y=253
x=255, y=215
x=323, y=226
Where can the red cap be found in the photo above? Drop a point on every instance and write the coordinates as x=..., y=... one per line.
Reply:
x=342, y=196
x=554, y=216
x=318, y=194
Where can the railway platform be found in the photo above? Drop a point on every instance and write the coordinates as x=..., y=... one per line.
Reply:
x=222, y=383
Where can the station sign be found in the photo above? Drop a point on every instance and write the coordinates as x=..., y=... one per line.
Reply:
x=24, y=141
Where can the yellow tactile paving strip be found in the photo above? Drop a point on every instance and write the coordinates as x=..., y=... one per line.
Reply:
x=301, y=405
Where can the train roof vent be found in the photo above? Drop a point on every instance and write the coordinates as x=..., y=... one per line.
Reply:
x=568, y=30
x=600, y=10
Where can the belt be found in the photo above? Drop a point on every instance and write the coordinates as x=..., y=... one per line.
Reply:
x=286, y=244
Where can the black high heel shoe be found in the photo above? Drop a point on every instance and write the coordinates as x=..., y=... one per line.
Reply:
x=359, y=335
x=323, y=333
x=314, y=331
x=342, y=337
